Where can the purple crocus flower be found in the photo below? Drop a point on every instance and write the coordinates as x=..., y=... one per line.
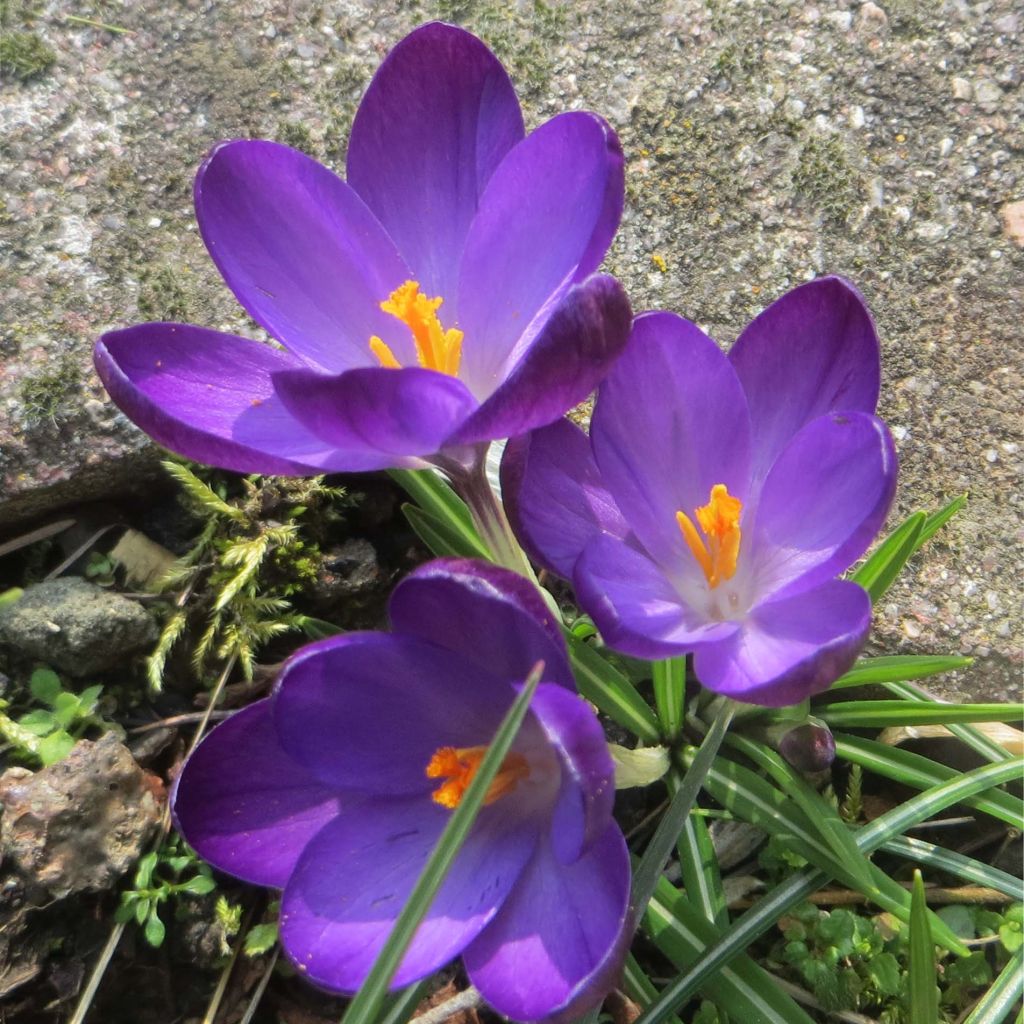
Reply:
x=336, y=788
x=441, y=297
x=717, y=498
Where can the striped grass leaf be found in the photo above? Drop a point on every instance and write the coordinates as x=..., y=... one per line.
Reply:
x=879, y=714
x=744, y=990
x=996, y=1005
x=755, y=922
x=603, y=684
x=444, y=537
x=669, y=681
x=702, y=879
x=888, y=559
x=957, y=864
x=923, y=773
x=367, y=1001
x=639, y=987
x=896, y=668
x=937, y=520
x=433, y=494
x=924, y=993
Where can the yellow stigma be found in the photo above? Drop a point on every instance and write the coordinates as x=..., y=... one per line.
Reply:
x=436, y=348
x=717, y=551
x=459, y=765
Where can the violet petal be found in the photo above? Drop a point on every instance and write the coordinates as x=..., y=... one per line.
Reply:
x=554, y=496
x=556, y=947
x=209, y=396
x=813, y=351
x=790, y=648
x=301, y=252
x=352, y=880
x=437, y=119
x=244, y=805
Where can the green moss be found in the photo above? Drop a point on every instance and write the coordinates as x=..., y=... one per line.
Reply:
x=24, y=56
x=45, y=395
x=162, y=295
x=296, y=135
x=825, y=178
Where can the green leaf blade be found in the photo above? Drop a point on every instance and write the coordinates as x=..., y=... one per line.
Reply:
x=924, y=993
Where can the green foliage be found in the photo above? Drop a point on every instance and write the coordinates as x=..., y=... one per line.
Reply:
x=46, y=394
x=261, y=938
x=46, y=734
x=253, y=554
x=24, y=56
x=162, y=875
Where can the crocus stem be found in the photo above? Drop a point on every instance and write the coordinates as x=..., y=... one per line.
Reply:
x=658, y=849
x=489, y=517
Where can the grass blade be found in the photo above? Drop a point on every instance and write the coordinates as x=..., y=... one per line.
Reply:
x=604, y=685
x=756, y=921
x=702, y=879
x=937, y=520
x=367, y=1001
x=669, y=680
x=924, y=993
x=954, y=863
x=897, y=668
x=885, y=564
x=1001, y=999
x=444, y=537
x=431, y=492
x=878, y=714
x=652, y=863
x=923, y=773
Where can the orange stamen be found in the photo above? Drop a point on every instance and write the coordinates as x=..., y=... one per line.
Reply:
x=436, y=348
x=460, y=764
x=720, y=521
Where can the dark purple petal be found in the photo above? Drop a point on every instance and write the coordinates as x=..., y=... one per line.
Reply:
x=391, y=417
x=823, y=502
x=491, y=617
x=209, y=396
x=437, y=119
x=367, y=711
x=636, y=607
x=301, y=252
x=244, y=805
x=790, y=648
x=670, y=422
x=587, y=790
x=564, y=363
x=545, y=222
x=556, y=947
x=350, y=884
x=554, y=496
x=812, y=351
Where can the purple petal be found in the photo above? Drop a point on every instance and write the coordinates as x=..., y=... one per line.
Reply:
x=636, y=607
x=491, y=617
x=823, y=502
x=554, y=496
x=670, y=422
x=350, y=884
x=812, y=351
x=587, y=790
x=301, y=252
x=564, y=363
x=209, y=396
x=367, y=711
x=789, y=648
x=391, y=418
x=244, y=805
x=556, y=947
x=437, y=119
x=545, y=222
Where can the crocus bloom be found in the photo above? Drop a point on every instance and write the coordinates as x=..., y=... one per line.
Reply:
x=441, y=297
x=336, y=788
x=717, y=498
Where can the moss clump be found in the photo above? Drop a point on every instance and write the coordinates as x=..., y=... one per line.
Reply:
x=825, y=178
x=162, y=296
x=44, y=395
x=24, y=56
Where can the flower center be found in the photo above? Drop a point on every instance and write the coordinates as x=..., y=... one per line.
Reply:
x=436, y=348
x=459, y=764
x=716, y=552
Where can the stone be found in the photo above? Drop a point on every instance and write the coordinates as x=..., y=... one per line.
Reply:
x=685, y=85
x=76, y=627
x=1013, y=221
x=80, y=824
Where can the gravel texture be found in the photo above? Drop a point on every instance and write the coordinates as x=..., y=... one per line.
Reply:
x=767, y=142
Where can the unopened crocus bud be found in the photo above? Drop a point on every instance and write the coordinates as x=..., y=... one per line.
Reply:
x=809, y=747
